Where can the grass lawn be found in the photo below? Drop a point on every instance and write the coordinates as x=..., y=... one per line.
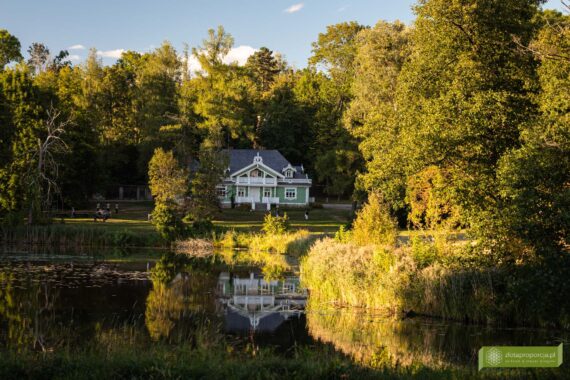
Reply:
x=320, y=220
x=133, y=216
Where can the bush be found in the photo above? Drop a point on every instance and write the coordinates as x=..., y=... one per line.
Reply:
x=343, y=235
x=374, y=224
x=275, y=225
x=201, y=228
x=167, y=222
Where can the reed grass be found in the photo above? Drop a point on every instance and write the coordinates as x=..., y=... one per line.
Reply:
x=295, y=243
x=77, y=236
x=402, y=281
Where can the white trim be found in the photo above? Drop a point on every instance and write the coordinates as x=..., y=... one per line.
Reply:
x=257, y=165
x=290, y=188
x=289, y=167
x=307, y=181
x=238, y=190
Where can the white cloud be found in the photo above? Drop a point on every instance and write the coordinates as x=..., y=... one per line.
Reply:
x=74, y=57
x=294, y=8
x=76, y=47
x=343, y=8
x=111, y=53
x=237, y=55
x=194, y=65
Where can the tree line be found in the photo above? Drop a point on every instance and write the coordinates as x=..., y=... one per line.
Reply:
x=116, y=116
x=459, y=120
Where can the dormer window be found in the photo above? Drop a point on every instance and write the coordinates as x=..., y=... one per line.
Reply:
x=289, y=173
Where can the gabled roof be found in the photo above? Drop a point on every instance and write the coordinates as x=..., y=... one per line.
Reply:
x=240, y=158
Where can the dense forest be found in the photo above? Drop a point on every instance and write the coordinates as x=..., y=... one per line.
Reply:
x=117, y=115
x=459, y=120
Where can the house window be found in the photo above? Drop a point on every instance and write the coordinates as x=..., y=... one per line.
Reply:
x=241, y=192
x=291, y=193
x=255, y=173
x=267, y=192
x=289, y=173
x=221, y=191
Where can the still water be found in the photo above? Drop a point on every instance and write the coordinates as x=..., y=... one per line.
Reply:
x=51, y=302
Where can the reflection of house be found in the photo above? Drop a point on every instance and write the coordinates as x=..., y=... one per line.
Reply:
x=259, y=304
x=263, y=177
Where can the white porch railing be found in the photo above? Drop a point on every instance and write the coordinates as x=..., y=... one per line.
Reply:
x=244, y=199
x=255, y=181
x=272, y=200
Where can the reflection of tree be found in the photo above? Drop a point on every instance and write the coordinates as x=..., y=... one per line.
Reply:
x=375, y=342
x=28, y=313
x=180, y=300
x=164, y=307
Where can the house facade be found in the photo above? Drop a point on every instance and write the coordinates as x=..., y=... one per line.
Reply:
x=263, y=178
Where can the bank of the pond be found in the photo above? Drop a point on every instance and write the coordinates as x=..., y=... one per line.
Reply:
x=421, y=279
x=70, y=236
x=165, y=362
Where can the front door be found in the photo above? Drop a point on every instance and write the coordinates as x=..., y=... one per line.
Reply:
x=255, y=193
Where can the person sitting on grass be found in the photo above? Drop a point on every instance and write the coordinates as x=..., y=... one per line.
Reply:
x=97, y=215
x=101, y=214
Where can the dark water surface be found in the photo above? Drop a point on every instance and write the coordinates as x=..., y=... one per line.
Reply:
x=66, y=302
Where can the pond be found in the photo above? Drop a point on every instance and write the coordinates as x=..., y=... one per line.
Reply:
x=53, y=302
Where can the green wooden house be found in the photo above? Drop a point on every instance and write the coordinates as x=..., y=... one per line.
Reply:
x=262, y=178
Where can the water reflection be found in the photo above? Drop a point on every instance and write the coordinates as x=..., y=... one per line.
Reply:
x=74, y=303
x=375, y=341
x=259, y=304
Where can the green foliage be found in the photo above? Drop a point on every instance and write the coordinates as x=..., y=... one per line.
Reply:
x=371, y=115
x=204, y=198
x=374, y=224
x=431, y=205
x=275, y=225
x=343, y=235
x=201, y=228
x=167, y=180
x=21, y=120
x=264, y=67
x=167, y=222
x=9, y=48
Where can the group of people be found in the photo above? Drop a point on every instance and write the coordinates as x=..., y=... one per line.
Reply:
x=104, y=214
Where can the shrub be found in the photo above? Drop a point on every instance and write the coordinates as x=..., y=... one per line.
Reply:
x=374, y=224
x=201, y=228
x=275, y=225
x=343, y=235
x=166, y=222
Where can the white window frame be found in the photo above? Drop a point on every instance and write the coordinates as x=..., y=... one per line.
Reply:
x=292, y=189
x=239, y=190
x=268, y=189
x=289, y=173
x=220, y=189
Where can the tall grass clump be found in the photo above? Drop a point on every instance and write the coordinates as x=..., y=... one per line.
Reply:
x=351, y=275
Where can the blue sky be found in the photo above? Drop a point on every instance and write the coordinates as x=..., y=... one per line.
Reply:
x=285, y=26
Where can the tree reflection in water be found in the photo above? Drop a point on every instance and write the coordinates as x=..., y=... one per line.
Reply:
x=27, y=315
x=180, y=308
